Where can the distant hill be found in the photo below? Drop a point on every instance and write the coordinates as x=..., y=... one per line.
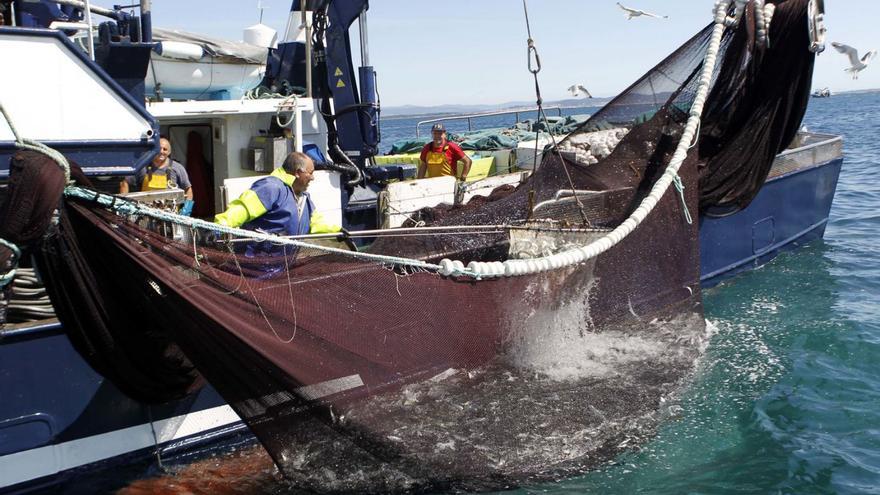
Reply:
x=416, y=110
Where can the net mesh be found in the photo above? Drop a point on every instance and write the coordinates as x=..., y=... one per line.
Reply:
x=359, y=375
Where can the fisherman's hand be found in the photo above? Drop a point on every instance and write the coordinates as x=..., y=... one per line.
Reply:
x=187, y=208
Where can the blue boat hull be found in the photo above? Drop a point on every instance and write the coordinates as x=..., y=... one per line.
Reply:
x=59, y=417
x=789, y=211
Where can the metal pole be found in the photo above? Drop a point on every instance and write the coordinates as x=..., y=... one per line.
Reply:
x=298, y=132
x=365, y=49
x=375, y=232
x=12, y=12
x=418, y=230
x=308, y=28
x=91, y=8
x=470, y=128
x=91, y=40
x=287, y=27
x=146, y=21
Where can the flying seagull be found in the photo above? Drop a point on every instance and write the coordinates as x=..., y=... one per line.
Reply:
x=630, y=13
x=575, y=89
x=856, y=64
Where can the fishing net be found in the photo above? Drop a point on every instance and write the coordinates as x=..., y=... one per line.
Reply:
x=363, y=374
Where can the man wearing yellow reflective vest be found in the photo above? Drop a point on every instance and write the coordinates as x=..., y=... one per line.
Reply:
x=162, y=173
x=440, y=157
x=278, y=204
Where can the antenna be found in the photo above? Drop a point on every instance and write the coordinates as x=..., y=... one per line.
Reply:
x=262, y=8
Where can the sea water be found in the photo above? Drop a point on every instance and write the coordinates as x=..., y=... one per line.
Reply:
x=785, y=398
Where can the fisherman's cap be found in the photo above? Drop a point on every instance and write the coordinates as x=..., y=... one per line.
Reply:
x=438, y=127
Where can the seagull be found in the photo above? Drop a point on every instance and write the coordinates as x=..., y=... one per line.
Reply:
x=575, y=89
x=630, y=13
x=856, y=64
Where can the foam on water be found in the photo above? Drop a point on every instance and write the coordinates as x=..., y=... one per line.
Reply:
x=557, y=342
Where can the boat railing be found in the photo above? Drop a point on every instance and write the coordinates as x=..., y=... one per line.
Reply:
x=811, y=150
x=470, y=117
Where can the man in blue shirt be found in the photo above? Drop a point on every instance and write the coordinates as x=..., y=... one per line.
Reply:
x=279, y=203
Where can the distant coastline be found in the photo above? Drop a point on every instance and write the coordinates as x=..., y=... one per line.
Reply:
x=858, y=91
x=414, y=111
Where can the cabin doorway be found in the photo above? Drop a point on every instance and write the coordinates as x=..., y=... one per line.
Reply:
x=192, y=146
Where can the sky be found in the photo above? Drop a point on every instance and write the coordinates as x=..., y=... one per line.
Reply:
x=474, y=51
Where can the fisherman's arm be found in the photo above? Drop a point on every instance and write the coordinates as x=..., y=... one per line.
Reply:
x=458, y=155
x=185, y=184
x=320, y=225
x=251, y=205
x=466, y=166
x=423, y=163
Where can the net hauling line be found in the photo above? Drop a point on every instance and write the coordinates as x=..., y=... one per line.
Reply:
x=449, y=268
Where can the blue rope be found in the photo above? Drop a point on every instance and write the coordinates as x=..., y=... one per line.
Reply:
x=16, y=254
x=679, y=186
x=127, y=207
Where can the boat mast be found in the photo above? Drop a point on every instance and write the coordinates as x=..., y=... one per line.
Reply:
x=308, y=28
x=146, y=21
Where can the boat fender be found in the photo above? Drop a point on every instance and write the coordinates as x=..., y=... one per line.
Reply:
x=179, y=50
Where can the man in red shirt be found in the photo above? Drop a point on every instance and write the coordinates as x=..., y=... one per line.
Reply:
x=440, y=157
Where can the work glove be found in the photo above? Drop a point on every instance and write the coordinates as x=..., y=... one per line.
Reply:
x=187, y=208
x=345, y=237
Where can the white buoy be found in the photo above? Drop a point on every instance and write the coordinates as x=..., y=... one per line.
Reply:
x=261, y=35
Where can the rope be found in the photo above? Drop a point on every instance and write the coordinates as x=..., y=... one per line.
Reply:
x=679, y=186
x=13, y=262
x=532, y=54
x=583, y=253
x=30, y=144
x=126, y=207
x=760, y=26
x=292, y=99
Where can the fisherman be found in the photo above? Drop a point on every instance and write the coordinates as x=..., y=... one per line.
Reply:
x=162, y=173
x=440, y=157
x=279, y=203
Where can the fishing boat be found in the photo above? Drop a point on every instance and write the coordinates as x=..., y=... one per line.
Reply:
x=96, y=416
x=822, y=93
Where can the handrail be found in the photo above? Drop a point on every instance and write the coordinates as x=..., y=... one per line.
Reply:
x=487, y=114
x=825, y=140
